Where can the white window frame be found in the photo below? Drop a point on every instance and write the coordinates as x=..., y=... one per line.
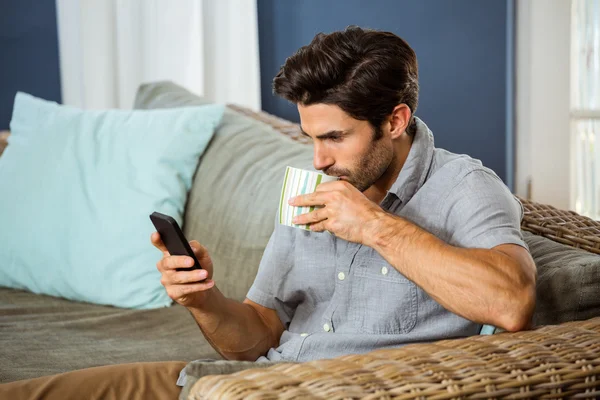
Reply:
x=543, y=169
x=585, y=151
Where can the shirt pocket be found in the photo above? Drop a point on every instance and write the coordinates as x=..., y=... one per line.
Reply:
x=383, y=301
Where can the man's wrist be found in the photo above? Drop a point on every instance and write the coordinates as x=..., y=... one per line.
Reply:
x=379, y=229
x=206, y=305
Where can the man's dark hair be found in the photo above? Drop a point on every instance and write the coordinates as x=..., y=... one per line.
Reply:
x=364, y=72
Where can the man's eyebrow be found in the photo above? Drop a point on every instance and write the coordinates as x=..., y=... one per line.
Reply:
x=326, y=135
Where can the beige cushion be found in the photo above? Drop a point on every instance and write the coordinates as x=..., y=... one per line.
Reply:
x=232, y=205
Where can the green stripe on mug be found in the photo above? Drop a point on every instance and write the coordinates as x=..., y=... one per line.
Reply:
x=287, y=170
x=297, y=182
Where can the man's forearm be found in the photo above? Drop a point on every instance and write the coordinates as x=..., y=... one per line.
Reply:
x=481, y=285
x=236, y=330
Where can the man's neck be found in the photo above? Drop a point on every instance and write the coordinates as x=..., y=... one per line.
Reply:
x=377, y=192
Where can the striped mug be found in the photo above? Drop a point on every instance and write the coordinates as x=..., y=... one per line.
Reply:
x=296, y=182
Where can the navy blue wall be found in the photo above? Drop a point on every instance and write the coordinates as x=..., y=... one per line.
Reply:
x=28, y=52
x=463, y=48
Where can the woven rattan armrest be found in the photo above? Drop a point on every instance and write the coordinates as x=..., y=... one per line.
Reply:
x=549, y=362
x=562, y=226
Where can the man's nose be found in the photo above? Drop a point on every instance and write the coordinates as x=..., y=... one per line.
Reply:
x=321, y=159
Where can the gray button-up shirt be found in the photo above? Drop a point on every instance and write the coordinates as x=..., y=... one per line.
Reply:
x=336, y=297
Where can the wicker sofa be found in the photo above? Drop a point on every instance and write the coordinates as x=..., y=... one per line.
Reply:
x=560, y=358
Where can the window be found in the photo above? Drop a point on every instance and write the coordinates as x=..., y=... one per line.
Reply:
x=585, y=105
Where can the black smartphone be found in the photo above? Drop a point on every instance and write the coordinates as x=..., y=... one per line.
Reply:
x=173, y=238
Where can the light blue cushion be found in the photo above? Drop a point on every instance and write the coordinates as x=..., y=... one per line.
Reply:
x=76, y=190
x=487, y=330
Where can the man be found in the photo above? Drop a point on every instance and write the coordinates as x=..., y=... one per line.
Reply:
x=413, y=244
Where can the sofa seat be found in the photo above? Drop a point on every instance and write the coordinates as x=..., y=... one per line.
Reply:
x=42, y=335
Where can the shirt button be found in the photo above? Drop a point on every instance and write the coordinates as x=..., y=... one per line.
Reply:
x=341, y=276
x=304, y=334
x=326, y=328
x=384, y=270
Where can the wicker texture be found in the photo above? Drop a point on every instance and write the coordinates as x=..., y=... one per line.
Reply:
x=565, y=227
x=557, y=362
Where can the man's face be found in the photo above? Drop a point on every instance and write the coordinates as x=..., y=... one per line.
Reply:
x=344, y=146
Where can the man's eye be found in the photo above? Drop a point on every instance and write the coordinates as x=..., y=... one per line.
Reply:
x=336, y=138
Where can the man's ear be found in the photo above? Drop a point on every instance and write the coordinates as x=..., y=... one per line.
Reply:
x=399, y=120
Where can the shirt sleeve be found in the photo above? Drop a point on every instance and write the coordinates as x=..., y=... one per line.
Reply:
x=483, y=213
x=267, y=287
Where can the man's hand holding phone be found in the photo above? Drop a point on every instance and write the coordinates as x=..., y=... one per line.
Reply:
x=240, y=331
x=188, y=288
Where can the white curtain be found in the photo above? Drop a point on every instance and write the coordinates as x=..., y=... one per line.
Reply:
x=109, y=47
x=585, y=106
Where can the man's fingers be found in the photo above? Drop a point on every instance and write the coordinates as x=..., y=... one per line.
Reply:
x=183, y=277
x=311, y=217
x=320, y=227
x=198, y=249
x=174, y=262
x=178, y=291
x=157, y=242
x=201, y=253
x=311, y=199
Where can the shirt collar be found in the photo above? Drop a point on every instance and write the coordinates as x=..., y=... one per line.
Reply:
x=417, y=164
